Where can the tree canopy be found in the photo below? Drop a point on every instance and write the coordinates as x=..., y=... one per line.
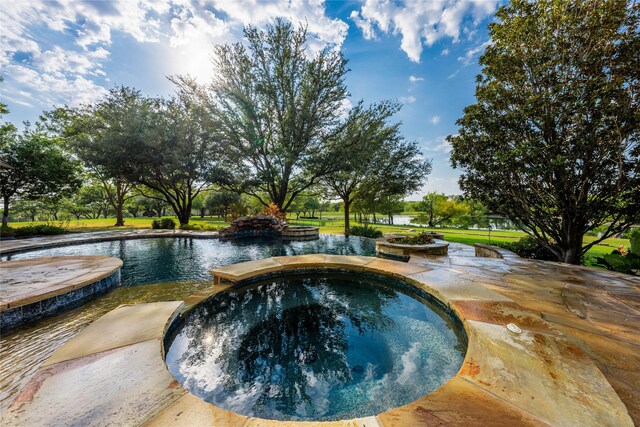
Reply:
x=373, y=160
x=275, y=108
x=98, y=132
x=39, y=168
x=439, y=209
x=552, y=140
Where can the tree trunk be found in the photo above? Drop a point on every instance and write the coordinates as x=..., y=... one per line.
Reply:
x=347, y=205
x=119, y=214
x=571, y=253
x=202, y=213
x=184, y=215
x=5, y=212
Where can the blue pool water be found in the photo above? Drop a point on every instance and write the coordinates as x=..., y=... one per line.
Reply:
x=162, y=260
x=315, y=347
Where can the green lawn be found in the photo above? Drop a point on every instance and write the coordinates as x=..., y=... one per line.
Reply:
x=333, y=223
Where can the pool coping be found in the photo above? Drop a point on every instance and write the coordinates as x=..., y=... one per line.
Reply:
x=543, y=379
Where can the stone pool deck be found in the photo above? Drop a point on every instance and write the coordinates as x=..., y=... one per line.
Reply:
x=32, y=289
x=576, y=363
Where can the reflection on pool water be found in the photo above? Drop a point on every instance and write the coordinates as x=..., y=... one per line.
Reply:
x=175, y=259
x=315, y=347
x=169, y=269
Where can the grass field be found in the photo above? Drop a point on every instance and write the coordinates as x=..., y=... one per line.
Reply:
x=334, y=224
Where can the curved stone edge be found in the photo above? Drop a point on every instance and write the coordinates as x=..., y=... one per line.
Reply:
x=114, y=370
x=97, y=275
x=489, y=251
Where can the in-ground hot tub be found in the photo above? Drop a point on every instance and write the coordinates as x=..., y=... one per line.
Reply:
x=323, y=346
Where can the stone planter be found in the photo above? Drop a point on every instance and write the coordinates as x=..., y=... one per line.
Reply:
x=400, y=252
x=301, y=233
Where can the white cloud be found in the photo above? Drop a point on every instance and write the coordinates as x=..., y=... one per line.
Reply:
x=188, y=27
x=420, y=23
x=435, y=120
x=407, y=99
x=444, y=52
x=471, y=54
x=439, y=145
x=414, y=79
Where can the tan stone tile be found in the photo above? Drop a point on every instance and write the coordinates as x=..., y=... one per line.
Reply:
x=534, y=282
x=345, y=261
x=503, y=313
x=617, y=360
x=236, y=272
x=394, y=268
x=628, y=395
x=452, y=286
x=124, y=386
x=542, y=374
x=125, y=325
x=191, y=411
x=615, y=326
x=459, y=403
x=301, y=261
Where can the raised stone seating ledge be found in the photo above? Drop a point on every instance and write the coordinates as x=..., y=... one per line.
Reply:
x=113, y=372
x=32, y=289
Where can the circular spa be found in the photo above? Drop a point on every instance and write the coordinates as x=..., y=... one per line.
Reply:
x=322, y=347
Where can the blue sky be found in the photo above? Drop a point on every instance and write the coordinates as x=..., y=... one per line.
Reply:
x=422, y=53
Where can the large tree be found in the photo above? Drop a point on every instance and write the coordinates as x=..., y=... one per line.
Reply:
x=39, y=168
x=552, y=140
x=373, y=159
x=96, y=132
x=276, y=107
x=439, y=209
x=177, y=155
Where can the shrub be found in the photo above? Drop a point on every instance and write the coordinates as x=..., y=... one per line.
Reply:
x=199, y=227
x=624, y=260
x=420, y=239
x=528, y=247
x=164, y=224
x=6, y=231
x=365, y=231
x=273, y=210
x=33, y=230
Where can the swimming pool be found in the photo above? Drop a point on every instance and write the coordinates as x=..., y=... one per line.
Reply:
x=158, y=269
x=161, y=260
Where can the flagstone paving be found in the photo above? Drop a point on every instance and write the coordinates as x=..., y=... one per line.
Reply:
x=576, y=362
x=30, y=280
